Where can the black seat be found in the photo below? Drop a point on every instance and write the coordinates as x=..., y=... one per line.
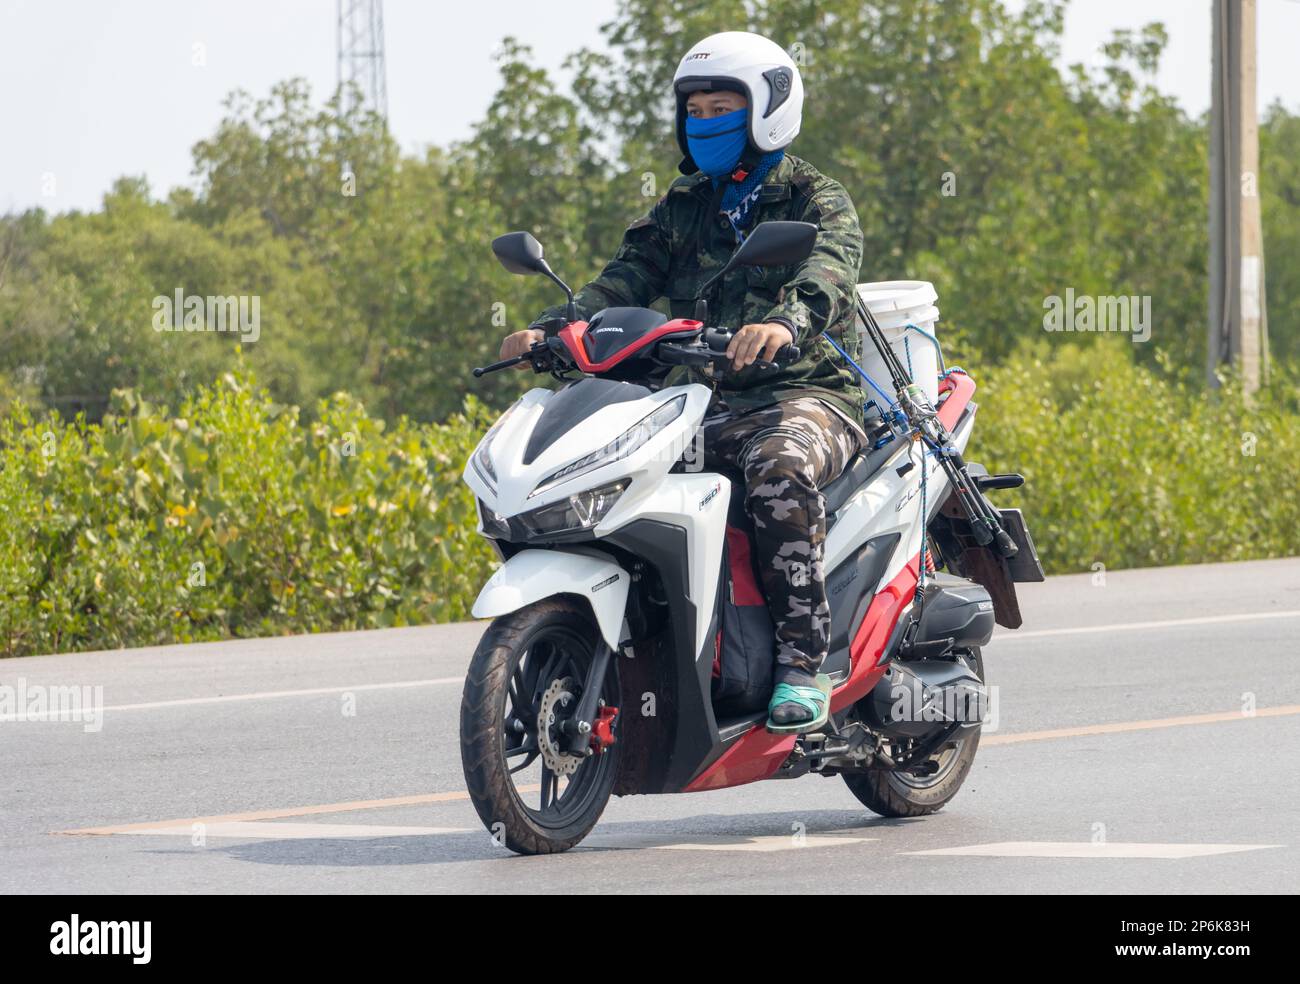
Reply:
x=857, y=473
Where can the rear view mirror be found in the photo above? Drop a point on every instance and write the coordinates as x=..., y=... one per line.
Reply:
x=770, y=244
x=777, y=244
x=519, y=252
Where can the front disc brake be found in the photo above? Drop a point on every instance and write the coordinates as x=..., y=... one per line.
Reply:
x=558, y=697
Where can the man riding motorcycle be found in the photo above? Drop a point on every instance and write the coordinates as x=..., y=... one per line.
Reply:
x=790, y=429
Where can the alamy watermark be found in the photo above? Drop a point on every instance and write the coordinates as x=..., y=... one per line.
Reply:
x=104, y=937
x=1084, y=312
x=963, y=703
x=240, y=313
x=24, y=702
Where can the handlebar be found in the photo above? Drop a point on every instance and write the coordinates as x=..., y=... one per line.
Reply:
x=710, y=349
x=539, y=354
x=717, y=340
x=495, y=366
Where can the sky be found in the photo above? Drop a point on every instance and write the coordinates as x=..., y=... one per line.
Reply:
x=94, y=89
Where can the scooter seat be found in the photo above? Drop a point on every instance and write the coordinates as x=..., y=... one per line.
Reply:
x=860, y=469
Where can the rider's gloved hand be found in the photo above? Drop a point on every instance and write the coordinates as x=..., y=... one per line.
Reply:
x=520, y=342
x=757, y=341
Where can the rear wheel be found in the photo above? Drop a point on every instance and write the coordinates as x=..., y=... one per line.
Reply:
x=903, y=794
x=524, y=683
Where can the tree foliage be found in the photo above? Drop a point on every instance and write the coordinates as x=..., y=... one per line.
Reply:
x=973, y=161
x=232, y=517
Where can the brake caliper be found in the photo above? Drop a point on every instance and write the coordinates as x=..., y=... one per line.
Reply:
x=602, y=730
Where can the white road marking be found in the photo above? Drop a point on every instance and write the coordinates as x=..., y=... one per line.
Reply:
x=349, y=806
x=1070, y=849
x=228, y=698
x=278, y=830
x=1119, y=727
x=723, y=842
x=442, y=681
x=1126, y=626
x=272, y=830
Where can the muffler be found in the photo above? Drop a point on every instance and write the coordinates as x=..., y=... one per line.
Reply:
x=918, y=697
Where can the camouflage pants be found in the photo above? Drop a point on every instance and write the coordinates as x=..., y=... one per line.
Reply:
x=787, y=452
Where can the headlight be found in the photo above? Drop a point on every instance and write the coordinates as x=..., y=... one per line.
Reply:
x=482, y=458
x=580, y=511
x=483, y=465
x=495, y=526
x=620, y=447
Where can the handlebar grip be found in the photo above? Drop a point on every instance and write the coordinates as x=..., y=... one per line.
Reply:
x=717, y=338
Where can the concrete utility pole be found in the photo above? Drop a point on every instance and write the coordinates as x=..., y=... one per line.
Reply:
x=1238, y=318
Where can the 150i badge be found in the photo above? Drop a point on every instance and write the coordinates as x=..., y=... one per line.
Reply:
x=713, y=493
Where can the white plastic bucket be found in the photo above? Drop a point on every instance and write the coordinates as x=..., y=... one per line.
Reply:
x=896, y=304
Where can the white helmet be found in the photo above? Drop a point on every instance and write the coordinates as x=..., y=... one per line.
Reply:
x=755, y=66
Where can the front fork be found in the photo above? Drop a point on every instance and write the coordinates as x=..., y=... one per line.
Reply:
x=590, y=715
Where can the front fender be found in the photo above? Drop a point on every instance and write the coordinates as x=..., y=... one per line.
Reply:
x=532, y=575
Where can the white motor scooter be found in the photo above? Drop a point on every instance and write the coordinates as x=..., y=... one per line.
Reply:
x=631, y=650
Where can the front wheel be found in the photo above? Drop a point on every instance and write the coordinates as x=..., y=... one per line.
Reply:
x=903, y=794
x=524, y=683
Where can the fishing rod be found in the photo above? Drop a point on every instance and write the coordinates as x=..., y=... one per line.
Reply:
x=985, y=523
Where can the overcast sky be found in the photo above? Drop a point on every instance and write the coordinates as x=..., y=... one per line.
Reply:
x=93, y=89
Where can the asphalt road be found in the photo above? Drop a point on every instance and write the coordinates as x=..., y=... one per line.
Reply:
x=1126, y=759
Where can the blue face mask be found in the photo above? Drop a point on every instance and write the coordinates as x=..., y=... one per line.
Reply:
x=716, y=144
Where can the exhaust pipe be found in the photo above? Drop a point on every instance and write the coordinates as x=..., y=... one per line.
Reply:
x=916, y=698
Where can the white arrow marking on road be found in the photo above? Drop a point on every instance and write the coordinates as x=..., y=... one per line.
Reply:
x=1070, y=849
x=723, y=842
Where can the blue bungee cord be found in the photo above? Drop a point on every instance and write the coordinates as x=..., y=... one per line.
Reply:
x=890, y=402
x=895, y=414
x=920, y=562
x=937, y=347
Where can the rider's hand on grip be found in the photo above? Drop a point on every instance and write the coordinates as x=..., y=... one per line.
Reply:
x=520, y=343
x=758, y=343
x=719, y=341
x=787, y=354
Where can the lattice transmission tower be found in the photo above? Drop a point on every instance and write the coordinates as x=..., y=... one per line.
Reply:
x=362, y=77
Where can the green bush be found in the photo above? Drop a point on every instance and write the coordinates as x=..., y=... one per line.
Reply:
x=237, y=518
x=1127, y=467
x=232, y=518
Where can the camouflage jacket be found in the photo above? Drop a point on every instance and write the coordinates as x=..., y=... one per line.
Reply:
x=685, y=239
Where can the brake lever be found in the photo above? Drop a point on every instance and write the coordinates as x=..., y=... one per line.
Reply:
x=498, y=366
x=536, y=350
x=719, y=339
x=680, y=355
